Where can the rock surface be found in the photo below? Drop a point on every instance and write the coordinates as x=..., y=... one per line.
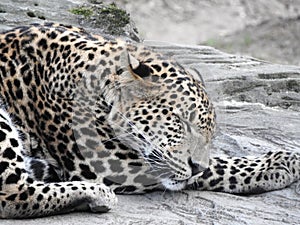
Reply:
x=97, y=17
x=258, y=107
x=268, y=30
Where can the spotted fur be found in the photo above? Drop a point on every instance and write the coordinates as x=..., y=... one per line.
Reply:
x=84, y=117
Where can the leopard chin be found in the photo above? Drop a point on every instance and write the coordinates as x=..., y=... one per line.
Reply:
x=174, y=185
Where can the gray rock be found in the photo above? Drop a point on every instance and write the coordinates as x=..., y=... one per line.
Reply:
x=95, y=16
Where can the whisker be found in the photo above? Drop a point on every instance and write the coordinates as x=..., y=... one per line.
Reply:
x=162, y=160
x=116, y=137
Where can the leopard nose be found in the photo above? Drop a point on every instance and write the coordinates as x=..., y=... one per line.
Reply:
x=196, y=168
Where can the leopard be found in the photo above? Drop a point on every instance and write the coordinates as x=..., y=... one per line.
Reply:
x=85, y=117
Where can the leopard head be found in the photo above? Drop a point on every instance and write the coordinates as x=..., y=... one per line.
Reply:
x=162, y=112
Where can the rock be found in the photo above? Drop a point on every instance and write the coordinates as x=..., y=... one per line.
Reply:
x=108, y=18
x=275, y=40
x=95, y=16
x=257, y=104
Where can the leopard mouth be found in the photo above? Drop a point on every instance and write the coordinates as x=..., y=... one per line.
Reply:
x=194, y=178
x=174, y=184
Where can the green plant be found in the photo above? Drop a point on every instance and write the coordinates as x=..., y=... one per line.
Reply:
x=82, y=10
x=247, y=40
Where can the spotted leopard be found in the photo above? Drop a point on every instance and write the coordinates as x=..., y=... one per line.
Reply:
x=84, y=117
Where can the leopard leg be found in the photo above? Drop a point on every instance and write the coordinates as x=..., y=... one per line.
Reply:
x=21, y=196
x=249, y=175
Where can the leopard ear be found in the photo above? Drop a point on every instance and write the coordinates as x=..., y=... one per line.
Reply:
x=131, y=79
x=137, y=67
